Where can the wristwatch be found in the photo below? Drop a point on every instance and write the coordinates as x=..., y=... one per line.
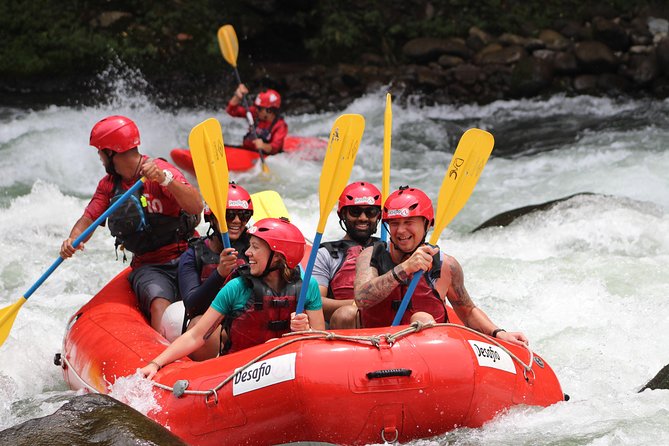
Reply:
x=169, y=177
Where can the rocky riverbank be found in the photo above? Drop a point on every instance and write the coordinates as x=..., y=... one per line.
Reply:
x=603, y=53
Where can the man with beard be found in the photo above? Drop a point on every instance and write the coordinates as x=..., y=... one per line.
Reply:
x=359, y=210
x=154, y=224
x=385, y=271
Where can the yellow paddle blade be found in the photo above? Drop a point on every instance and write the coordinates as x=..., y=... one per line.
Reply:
x=466, y=166
x=268, y=204
x=227, y=40
x=387, y=136
x=211, y=167
x=7, y=316
x=342, y=148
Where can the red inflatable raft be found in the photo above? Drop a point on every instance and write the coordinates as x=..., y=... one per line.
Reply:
x=241, y=159
x=345, y=387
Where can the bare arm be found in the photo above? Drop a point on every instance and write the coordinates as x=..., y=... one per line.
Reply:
x=187, y=343
x=186, y=195
x=66, y=248
x=369, y=287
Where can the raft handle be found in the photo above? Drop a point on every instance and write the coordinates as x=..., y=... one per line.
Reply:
x=388, y=373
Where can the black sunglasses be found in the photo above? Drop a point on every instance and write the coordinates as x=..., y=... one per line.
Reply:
x=230, y=214
x=370, y=211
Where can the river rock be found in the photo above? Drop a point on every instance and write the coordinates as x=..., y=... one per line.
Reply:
x=660, y=381
x=91, y=419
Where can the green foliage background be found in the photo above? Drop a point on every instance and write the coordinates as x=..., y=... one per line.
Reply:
x=47, y=38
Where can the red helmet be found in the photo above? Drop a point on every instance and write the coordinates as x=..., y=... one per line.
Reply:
x=408, y=202
x=359, y=194
x=116, y=133
x=282, y=236
x=268, y=99
x=238, y=198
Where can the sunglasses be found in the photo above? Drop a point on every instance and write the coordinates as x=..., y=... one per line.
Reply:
x=230, y=214
x=370, y=211
x=265, y=109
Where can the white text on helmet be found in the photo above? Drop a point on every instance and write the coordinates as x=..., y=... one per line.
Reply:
x=238, y=203
x=404, y=212
x=363, y=200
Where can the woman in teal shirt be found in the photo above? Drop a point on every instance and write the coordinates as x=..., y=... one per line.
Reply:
x=260, y=303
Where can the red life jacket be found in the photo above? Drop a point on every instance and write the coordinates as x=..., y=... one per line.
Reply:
x=342, y=280
x=266, y=316
x=425, y=297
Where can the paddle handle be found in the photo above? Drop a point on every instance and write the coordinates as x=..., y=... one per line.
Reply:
x=84, y=235
x=307, y=274
x=407, y=298
x=249, y=116
x=225, y=238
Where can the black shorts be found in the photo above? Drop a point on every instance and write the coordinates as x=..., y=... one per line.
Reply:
x=151, y=281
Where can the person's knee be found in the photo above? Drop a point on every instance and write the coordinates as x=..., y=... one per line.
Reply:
x=344, y=317
x=423, y=317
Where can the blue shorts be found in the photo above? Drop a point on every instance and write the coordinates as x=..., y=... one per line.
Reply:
x=151, y=281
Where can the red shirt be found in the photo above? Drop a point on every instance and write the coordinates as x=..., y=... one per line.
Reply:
x=278, y=132
x=159, y=200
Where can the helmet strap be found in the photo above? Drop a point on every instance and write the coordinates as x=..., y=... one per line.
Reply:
x=269, y=268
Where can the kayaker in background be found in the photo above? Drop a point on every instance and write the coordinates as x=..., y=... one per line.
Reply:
x=359, y=211
x=383, y=273
x=205, y=267
x=270, y=128
x=260, y=304
x=154, y=225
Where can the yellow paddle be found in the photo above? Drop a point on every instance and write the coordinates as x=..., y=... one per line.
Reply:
x=211, y=168
x=8, y=314
x=387, y=134
x=268, y=204
x=339, y=158
x=463, y=172
x=227, y=41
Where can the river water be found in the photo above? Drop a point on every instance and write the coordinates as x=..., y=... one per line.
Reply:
x=586, y=280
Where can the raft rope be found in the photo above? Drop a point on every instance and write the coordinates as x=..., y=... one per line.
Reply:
x=375, y=341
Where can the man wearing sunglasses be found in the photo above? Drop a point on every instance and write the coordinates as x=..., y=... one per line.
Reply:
x=359, y=211
x=205, y=267
x=270, y=128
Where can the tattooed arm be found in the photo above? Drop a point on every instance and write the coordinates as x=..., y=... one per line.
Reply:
x=187, y=343
x=370, y=288
x=470, y=314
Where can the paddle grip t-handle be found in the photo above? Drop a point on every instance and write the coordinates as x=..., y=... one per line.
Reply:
x=407, y=298
x=84, y=235
x=307, y=274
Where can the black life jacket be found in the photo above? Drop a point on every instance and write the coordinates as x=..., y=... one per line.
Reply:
x=266, y=315
x=207, y=260
x=425, y=297
x=140, y=231
x=343, y=278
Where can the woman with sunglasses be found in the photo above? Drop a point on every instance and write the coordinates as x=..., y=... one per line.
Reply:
x=270, y=128
x=359, y=211
x=205, y=267
x=259, y=304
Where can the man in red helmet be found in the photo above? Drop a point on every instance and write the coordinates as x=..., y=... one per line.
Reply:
x=154, y=224
x=383, y=273
x=359, y=211
x=270, y=128
x=206, y=266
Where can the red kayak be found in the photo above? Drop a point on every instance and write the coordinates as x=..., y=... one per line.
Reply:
x=241, y=159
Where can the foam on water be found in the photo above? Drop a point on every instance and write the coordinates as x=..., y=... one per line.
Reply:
x=584, y=280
